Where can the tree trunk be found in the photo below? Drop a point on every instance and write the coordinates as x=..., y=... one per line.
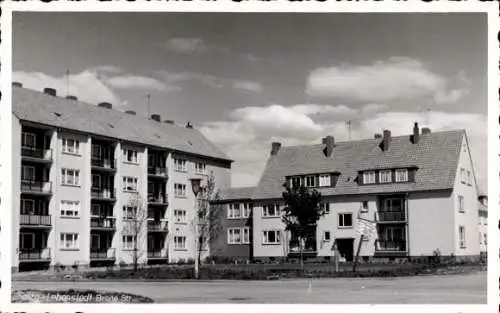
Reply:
x=301, y=249
x=196, y=260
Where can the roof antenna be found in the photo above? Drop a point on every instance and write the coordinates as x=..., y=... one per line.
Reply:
x=67, y=82
x=148, y=100
x=348, y=125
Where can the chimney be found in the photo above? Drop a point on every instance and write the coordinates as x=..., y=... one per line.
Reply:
x=168, y=121
x=130, y=112
x=189, y=125
x=17, y=84
x=416, y=134
x=426, y=130
x=386, y=139
x=50, y=91
x=72, y=98
x=156, y=117
x=105, y=105
x=329, y=142
x=275, y=147
x=377, y=136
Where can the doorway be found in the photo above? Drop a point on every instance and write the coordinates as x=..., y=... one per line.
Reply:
x=346, y=248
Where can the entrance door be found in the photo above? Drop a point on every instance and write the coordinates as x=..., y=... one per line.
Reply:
x=346, y=248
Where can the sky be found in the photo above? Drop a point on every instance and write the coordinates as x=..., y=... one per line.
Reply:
x=248, y=79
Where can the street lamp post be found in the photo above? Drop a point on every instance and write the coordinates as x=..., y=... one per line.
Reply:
x=196, y=187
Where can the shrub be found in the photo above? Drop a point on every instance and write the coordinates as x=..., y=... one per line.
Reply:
x=181, y=261
x=190, y=261
x=122, y=264
x=75, y=266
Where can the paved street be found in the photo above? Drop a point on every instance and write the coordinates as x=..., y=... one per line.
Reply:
x=452, y=289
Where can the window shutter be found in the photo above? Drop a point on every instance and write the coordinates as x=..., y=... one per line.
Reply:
x=316, y=178
x=360, y=178
x=411, y=174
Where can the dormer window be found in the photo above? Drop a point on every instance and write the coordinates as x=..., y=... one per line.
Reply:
x=325, y=180
x=401, y=175
x=310, y=181
x=369, y=177
x=385, y=176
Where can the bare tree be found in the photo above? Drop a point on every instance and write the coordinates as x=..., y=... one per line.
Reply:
x=206, y=223
x=135, y=225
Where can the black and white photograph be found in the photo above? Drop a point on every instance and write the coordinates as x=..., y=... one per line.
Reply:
x=248, y=158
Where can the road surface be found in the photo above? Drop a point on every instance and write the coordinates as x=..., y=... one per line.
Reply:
x=451, y=289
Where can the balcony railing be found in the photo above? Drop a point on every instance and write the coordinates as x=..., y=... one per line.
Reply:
x=103, y=222
x=157, y=171
x=104, y=163
x=390, y=246
x=159, y=226
x=382, y=216
x=35, y=254
x=102, y=254
x=157, y=199
x=36, y=220
x=310, y=246
x=36, y=186
x=157, y=253
x=103, y=194
x=36, y=153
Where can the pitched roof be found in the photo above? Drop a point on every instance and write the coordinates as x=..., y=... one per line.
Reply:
x=436, y=157
x=34, y=106
x=242, y=193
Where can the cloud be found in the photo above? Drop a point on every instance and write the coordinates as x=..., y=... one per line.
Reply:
x=139, y=82
x=87, y=86
x=187, y=45
x=247, y=136
x=317, y=109
x=247, y=86
x=398, y=78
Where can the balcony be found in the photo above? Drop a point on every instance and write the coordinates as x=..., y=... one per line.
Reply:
x=102, y=254
x=36, y=154
x=158, y=172
x=103, y=223
x=390, y=217
x=390, y=247
x=103, y=194
x=157, y=226
x=34, y=255
x=107, y=165
x=157, y=199
x=35, y=220
x=157, y=254
x=36, y=187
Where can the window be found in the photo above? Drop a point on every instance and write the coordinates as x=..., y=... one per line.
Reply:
x=326, y=236
x=28, y=173
x=469, y=178
x=385, y=176
x=246, y=235
x=461, y=236
x=96, y=182
x=180, y=216
x=70, y=208
x=247, y=210
x=129, y=183
x=234, y=236
x=393, y=205
x=461, y=207
x=364, y=206
x=369, y=177
x=95, y=210
x=180, y=165
x=485, y=239
x=96, y=152
x=179, y=242
x=129, y=212
x=179, y=190
x=130, y=156
x=310, y=181
x=271, y=237
x=325, y=180
x=128, y=242
x=200, y=168
x=69, y=241
x=271, y=210
x=401, y=175
x=463, y=176
x=70, y=177
x=27, y=206
x=325, y=206
x=297, y=181
x=28, y=140
x=70, y=146
x=345, y=220
x=27, y=241
x=234, y=211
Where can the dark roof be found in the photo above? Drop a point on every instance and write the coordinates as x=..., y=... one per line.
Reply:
x=38, y=107
x=241, y=193
x=436, y=157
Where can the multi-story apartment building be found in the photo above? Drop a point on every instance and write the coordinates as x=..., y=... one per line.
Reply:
x=419, y=190
x=83, y=173
x=483, y=223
